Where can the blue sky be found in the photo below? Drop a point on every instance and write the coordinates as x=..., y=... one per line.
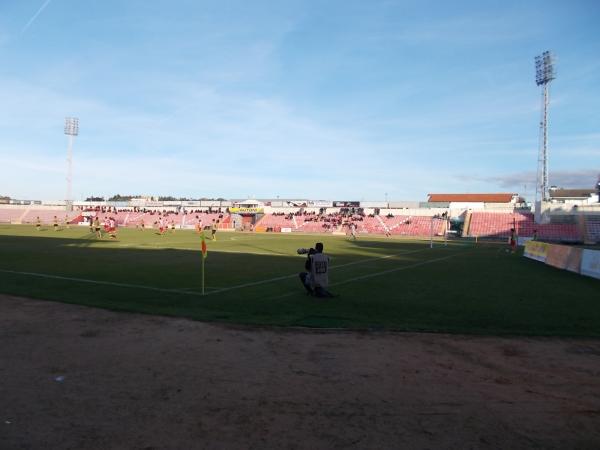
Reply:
x=339, y=100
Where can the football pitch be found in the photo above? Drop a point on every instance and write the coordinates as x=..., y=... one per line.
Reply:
x=252, y=278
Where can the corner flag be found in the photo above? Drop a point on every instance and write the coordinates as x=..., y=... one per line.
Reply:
x=204, y=249
x=204, y=254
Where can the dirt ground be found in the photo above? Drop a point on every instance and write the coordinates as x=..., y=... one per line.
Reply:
x=73, y=377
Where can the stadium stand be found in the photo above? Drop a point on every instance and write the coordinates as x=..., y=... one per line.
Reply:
x=192, y=218
x=490, y=224
x=499, y=224
x=564, y=225
x=9, y=215
x=413, y=225
x=276, y=222
x=372, y=225
x=150, y=218
x=47, y=216
x=365, y=224
x=592, y=228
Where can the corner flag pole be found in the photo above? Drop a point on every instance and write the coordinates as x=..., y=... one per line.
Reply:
x=202, y=274
x=204, y=253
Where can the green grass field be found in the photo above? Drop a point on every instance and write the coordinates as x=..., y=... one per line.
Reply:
x=252, y=279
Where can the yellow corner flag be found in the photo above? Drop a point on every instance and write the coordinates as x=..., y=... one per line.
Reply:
x=204, y=249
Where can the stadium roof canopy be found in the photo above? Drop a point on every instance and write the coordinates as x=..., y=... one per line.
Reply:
x=250, y=201
x=472, y=198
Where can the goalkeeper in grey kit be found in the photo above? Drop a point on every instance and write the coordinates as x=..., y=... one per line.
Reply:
x=316, y=277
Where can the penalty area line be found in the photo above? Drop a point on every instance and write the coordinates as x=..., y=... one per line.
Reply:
x=396, y=269
x=376, y=274
x=294, y=275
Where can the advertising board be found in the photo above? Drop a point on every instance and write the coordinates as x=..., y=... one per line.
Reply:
x=320, y=203
x=346, y=204
x=242, y=210
x=590, y=263
x=536, y=250
x=557, y=256
x=522, y=240
x=574, y=260
x=564, y=257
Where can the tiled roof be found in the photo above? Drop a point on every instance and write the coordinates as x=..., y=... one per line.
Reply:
x=571, y=193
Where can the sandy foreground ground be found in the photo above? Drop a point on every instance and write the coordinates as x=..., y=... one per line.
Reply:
x=73, y=377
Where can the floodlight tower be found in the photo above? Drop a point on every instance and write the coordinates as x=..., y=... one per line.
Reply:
x=71, y=130
x=544, y=74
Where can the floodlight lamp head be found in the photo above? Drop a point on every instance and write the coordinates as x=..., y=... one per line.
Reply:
x=71, y=126
x=544, y=68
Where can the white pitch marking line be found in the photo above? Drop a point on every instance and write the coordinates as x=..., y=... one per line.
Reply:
x=107, y=283
x=185, y=292
x=397, y=269
x=377, y=258
x=238, y=251
x=376, y=274
x=284, y=277
x=191, y=289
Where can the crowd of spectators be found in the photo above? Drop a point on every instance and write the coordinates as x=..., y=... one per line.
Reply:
x=152, y=212
x=344, y=217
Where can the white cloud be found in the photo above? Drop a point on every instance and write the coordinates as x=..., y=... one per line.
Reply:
x=576, y=178
x=203, y=142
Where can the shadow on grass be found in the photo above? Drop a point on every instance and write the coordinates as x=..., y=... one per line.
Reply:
x=476, y=291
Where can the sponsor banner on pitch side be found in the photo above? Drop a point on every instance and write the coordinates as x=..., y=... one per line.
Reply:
x=590, y=263
x=536, y=250
x=574, y=260
x=558, y=255
x=522, y=240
